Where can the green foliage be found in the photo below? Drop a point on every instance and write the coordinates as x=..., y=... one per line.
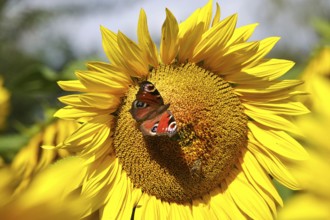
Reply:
x=284, y=192
x=32, y=83
x=10, y=144
x=33, y=102
x=322, y=28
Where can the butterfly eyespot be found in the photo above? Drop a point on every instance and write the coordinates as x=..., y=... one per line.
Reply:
x=150, y=112
x=153, y=130
x=172, y=127
x=139, y=104
x=149, y=88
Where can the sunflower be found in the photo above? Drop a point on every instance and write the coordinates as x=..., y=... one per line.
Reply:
x=32, y=188
x=49, y=196
x=231, y=132
x=4, y=104
x=31, y=159
x=316, y=72
x=314, y=176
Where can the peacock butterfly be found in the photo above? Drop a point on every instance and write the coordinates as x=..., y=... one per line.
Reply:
x=149, y=110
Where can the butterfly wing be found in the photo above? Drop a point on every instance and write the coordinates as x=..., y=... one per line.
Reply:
x=142, y=111
x=149, y=109
x=149, y=94
x=162, y=124
x=148, y=102
x=167, y=124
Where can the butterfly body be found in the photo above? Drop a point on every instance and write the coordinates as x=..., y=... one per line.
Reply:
x=149, y=110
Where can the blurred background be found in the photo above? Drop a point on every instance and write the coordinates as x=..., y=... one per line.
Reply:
x=42, y=42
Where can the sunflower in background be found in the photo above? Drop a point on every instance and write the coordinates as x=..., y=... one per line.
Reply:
x=50, y=195
x=314, y=175
x=4, y=105
x=32, y=187
x=317, y=71
x=194, y=130
x=32, y=158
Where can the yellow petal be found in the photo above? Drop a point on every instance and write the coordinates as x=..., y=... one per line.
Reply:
x=110, y=71
x=140, y=206
x=305, y=206
x=72, y=85
x=99, y=125
x=260, y=180
x=270, y=68
x=169, y=44
x=113, y=52
x=266, y=70
x=145, y=42
x=164, y=211
x=214, y=39
x=152, y=208
x=105, y=172
x=283, y=108
x=216, y=18
x=134, y=56
x=65, y=127
x=149, y=207
x=221, y=199
x=56, y=187
x=319, y=87
x=265, y=46
x=100, y=100
x=115, y=207
x=99, y=82
x=239, y=77
x=200, y=17
x=99, y=183
x=94, y=153
x=233, y=59
x=98, y=147
x=69, y=112
x=281, y=95
x=274, y=166
x=48, y=138
x=188, y=42
x=201, y=210
x=278, y=141
x=273, y=121
x=128, y=205
x=191, y=30
x=72, y=100
x=242, y=34
x=268, y=87
x=182, y=211
x=247, y=199
x=102, y=103
x=110, y=46
x=136, y=195
x=218, y=204
x=204, y=15
x=243, y=55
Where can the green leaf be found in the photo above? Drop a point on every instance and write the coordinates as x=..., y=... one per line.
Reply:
x=284, y=192
x=10, y=144
x=323, y=28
